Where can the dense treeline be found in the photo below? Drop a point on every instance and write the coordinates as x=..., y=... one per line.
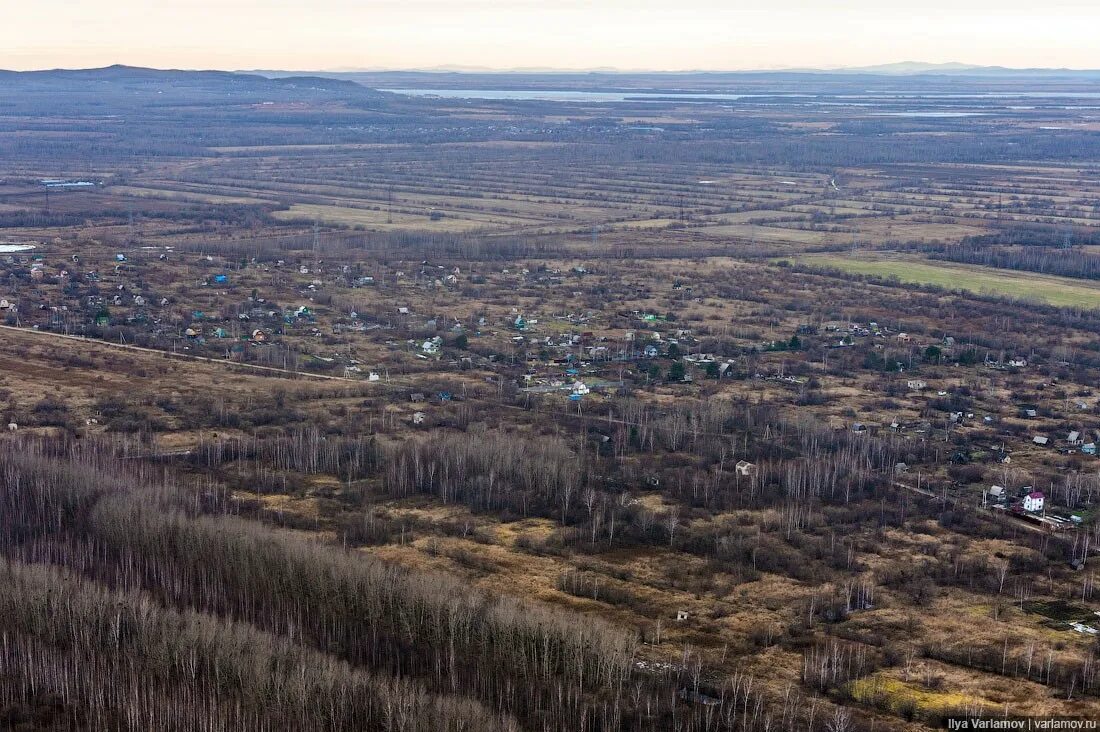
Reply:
x=1070, y=262
x=124, y=663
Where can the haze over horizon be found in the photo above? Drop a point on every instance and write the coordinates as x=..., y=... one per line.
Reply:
x=572, y=35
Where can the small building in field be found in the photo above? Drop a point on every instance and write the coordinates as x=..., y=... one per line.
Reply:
x=1074, y=438
x=1033, y=502
x=916, y=384
x=745, y=468
x=419, y=418
x=1040, y=440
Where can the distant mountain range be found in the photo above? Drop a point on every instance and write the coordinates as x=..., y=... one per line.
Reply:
x=902, y=68
x=910, y=68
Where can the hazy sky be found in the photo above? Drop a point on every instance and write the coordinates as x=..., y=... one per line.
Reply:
x=649, y=34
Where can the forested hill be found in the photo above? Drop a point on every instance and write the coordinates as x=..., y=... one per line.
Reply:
x=130, y=86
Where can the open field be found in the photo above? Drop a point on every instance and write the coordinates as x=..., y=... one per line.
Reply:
x=1061, y=291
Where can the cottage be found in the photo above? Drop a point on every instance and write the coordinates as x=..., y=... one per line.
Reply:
x=681, y=615
x=1089, y=448
x=916, y=384
x=419, y=418
x=580, y=388
x=1074, y=438
x=901, y=468
x=745, y=468
x=1040, y=440
x=997, y=492
x=12, y=427
x=1033, y=502
x=373, y=376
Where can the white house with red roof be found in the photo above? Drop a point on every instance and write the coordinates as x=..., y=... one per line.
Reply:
x=1033, y=502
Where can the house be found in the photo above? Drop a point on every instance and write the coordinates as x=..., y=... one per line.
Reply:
x=901, y=468
x=1040, y=440
x=1074, y=438
x=373, y=376
x=12, y=427
x=419, y=418
x=259, y=336
x=996, y=493
x=402, y=311
x=1089, y=448
x=1031, y=413
x=681, y=615
x=416, y=396
x=859, y=428
x=580, y=388
x=431, y=346
x=916, y=384
x=1033, y=502
x=1018, y=362
x=745, y=468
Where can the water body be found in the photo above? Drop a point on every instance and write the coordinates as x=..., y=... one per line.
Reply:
x=930, y=114
x=567, y=95
x=869, y=98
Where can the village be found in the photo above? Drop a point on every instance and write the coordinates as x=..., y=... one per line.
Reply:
x=650, y=414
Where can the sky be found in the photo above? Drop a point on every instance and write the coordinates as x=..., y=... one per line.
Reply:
x=671, y=35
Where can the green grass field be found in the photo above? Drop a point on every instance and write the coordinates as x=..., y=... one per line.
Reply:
x=1061, y=291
